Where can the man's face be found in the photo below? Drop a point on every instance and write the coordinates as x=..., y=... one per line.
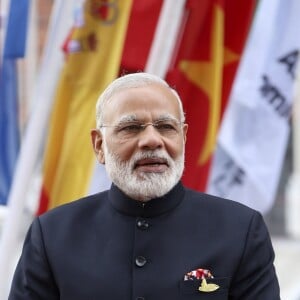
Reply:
x=144, y=162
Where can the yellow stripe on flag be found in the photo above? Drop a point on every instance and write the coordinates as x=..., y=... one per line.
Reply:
x=208, y=77
x=94, y=52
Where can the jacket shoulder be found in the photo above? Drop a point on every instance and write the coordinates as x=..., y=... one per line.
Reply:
x=218, y=207
x=215, y=200
x=85, y=206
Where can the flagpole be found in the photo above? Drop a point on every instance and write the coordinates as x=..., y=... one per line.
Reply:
x=165, y=37
x=60, y=23
x=31, y=62
x=292, y=207
x=4, y=4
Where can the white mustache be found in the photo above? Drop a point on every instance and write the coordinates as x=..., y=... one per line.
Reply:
x=156, y=154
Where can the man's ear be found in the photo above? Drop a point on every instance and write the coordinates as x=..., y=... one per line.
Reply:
x=184, y=130
x=97, y=141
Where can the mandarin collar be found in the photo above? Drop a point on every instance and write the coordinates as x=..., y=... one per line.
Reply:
x=151, y=208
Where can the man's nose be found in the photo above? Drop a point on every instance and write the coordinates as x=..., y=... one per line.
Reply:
x=150, y=138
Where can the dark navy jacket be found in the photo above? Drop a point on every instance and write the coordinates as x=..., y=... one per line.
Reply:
x=108, y=246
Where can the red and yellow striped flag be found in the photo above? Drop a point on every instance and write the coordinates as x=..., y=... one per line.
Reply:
x=93, y=54
x=209, y=49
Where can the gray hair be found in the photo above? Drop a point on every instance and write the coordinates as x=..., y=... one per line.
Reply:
x=133, y=80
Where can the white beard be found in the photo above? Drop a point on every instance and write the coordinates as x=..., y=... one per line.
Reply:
x=143, y=186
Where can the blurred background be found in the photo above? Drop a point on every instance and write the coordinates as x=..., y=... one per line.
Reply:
x=234, y=64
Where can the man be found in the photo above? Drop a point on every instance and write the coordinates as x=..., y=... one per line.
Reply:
x=148, y=237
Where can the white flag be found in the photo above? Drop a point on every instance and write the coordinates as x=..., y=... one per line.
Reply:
x=255, y=129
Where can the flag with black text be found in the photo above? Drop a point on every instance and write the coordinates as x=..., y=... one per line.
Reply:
x=255, y=129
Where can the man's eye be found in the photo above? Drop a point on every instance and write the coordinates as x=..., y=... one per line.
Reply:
x=130, y=128
x=165, y=127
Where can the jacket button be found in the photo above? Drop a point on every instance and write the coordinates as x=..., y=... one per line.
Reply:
x=140, y=261
x=142, y=224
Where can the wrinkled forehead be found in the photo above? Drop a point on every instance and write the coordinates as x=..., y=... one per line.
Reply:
x=149, y=101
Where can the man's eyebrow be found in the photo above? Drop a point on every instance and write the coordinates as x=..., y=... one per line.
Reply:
x=166, y=117
x=134, y=118
x=128, y=118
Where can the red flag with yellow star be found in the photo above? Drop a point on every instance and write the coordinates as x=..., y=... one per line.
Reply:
x=208, y=51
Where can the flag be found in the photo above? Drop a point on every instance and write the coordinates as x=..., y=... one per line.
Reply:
x=140, y=34
x=14, y=48
x=9, y=126
x=14, y=226
x=93, y=53
x=256, y=126
x=153, y=24
x=202, y=70
x=292, y=192
x=15, y=38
